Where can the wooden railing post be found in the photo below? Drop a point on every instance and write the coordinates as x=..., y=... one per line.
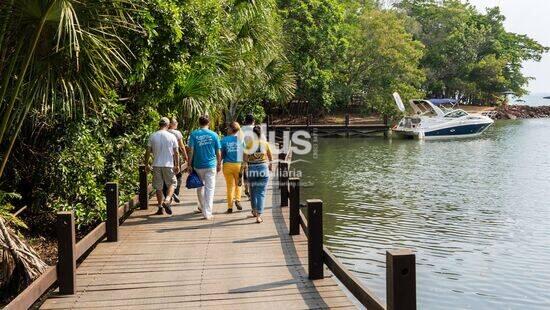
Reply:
x=401, y=280
x=283, y=183
x=294, y=214
x=143, y=194
x=66, y=253
x=111, y=193
x=315, y=238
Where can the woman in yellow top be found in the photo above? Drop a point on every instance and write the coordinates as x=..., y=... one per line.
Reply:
x=257, y=158
x=232, y=151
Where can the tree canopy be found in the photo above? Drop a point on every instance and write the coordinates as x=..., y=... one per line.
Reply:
x=469, y=55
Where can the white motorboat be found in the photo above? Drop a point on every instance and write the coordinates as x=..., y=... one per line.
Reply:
x=431, y=120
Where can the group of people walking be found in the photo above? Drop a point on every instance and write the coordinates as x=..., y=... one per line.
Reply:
x=243, y=155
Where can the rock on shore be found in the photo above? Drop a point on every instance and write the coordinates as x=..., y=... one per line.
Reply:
x=521, y=111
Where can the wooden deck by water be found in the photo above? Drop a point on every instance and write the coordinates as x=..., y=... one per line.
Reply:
x=183, y=261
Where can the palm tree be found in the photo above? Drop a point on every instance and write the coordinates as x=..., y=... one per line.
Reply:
x=58, y=56
x=259, y=69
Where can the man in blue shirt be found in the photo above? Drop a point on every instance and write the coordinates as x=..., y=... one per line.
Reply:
x=205, y=158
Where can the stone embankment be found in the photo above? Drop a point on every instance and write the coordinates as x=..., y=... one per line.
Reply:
x=521, y=111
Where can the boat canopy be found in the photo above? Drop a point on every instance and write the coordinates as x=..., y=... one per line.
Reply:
x=443, y=101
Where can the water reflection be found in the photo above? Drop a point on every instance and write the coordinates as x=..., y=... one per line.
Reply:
x=476, y=211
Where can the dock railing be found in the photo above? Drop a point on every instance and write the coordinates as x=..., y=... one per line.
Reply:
x=69, y=252
x=400, y=264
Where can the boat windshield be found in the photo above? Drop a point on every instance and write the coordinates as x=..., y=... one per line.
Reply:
x=456, y=114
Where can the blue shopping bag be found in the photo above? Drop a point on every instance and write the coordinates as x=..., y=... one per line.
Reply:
x=193, y=180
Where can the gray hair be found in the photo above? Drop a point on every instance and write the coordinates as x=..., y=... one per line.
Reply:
x=164, y=121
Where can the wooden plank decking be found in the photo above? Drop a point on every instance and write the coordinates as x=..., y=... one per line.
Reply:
x=183, y=261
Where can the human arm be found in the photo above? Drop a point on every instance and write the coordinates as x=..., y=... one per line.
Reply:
x=269, y=157
x=183, y=151
x=190, y=154
x=219, y=159
x=218, y=154
x=175, y=156
x=147, y=158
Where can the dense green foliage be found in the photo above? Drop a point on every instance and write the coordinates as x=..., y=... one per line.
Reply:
x=315, y=33
x=82, y=83
x=382, y=58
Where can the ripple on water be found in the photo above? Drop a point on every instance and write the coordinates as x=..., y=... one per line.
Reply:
x=476, y=212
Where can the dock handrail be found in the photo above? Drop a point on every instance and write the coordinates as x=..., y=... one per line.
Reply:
x=400, y=264
x=69, y=251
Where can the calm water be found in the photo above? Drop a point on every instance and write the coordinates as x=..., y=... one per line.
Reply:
x=477, y=213
x=533, y=99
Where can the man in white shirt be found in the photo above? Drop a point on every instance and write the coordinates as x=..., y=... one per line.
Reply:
x=173, y=129
x=164, y=147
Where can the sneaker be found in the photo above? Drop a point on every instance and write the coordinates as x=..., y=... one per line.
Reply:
x=159, y=211
x=238, y=205
x=229, y=211
x=176, y=198
x=166, y=205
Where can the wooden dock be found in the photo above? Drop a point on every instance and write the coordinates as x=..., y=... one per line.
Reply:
x=183, y=261
x=333, y=130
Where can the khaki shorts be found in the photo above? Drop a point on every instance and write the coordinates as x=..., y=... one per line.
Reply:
x=163, y=175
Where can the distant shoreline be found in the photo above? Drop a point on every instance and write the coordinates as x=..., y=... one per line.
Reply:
x=510, y=111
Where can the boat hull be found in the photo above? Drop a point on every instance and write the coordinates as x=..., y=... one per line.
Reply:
x=470, y=130
x=459, y=131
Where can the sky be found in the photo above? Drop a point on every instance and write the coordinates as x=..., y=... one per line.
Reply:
x=528, y=17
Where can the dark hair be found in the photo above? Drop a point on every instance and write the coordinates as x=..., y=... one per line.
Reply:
x=204, y=120
x=257, y=130
x=249, y=119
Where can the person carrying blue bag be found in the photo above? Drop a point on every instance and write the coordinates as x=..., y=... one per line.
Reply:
x=164, y=147
x=205, y=159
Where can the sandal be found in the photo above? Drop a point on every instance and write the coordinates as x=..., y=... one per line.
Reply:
x=259, y=219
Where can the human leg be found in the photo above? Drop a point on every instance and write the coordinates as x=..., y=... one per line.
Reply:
x=230, y=186
x=258, y=177
x=169, y=179
x=261, y=189
x=208, y=177
x=158, y=184
x=236, y=178
x=179, y=178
